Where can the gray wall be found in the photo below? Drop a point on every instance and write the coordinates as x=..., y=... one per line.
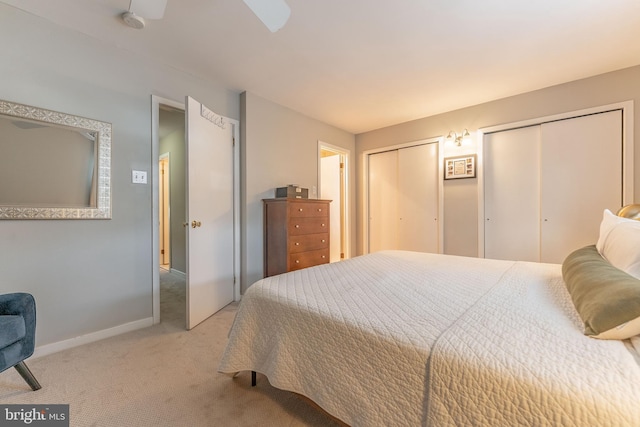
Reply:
x=460, y=196
x=89, y=275
x=279, y=147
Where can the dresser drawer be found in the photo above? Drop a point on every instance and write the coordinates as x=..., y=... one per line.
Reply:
x=311, y=209
x=298, y=226
x=308, y=259
x=308, y=242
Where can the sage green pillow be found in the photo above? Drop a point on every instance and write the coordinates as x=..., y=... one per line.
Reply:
x=607, y=299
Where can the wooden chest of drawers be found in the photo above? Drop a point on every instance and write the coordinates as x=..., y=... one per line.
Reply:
x=296, y=234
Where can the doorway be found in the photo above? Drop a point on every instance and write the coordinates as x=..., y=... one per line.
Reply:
x=333, y=182
x=178, y=253
x=171, y=213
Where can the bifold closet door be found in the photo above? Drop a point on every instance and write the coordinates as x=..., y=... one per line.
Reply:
x=418, y=198
x=383, y=201
x=581, y=176
x=512, y=194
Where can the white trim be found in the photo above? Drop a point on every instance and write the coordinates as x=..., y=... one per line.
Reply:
x=55, y=347
x=627, y=151
x=480, y=189
x=441, y=155
x=347, y=183
x=236, y=209
x=178, y=273
x=365, y=181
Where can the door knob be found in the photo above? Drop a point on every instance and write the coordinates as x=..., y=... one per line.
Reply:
x=195, y=224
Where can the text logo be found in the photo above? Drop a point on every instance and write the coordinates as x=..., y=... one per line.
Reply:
x=34, y=415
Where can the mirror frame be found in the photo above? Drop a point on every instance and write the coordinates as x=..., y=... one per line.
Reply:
x=102, y=210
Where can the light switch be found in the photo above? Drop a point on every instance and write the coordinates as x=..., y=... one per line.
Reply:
x=139, y=177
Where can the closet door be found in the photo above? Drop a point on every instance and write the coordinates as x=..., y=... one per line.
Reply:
x=512, y=194
x=418, y=198
x=383, y=210
x=581, y=176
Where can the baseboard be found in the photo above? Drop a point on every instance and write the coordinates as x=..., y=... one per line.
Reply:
x=178, y=273
x=55, y=347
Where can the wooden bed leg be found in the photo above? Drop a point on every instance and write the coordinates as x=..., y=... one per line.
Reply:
x=253, y=378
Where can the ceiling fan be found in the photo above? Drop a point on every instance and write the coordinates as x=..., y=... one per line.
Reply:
x=139, y=10
x=274, y=14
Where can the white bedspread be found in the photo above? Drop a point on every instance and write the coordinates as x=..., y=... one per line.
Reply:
x=407, y=339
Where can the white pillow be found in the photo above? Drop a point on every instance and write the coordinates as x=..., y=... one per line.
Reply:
x=609, y=220
x=619, y=243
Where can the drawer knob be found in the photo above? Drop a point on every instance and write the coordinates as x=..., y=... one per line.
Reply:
x=297, y=244
x=323, y=240
x=323, y=257
x=323, y=225
x=300, y=210
x=297, y=226
x=319, y=209
x=297, y=261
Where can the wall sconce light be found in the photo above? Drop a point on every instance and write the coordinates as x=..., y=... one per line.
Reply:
x=456, y=139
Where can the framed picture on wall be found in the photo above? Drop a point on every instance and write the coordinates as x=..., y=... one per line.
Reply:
x=460, y=167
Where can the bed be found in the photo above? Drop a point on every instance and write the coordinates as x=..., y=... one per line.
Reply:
x=407, y=339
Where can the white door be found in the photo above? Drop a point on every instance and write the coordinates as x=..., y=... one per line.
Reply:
x=330, y=190
x=581, y=176
x=383, y=206
x=417, y=194
x=210, y=244
x=512, y=194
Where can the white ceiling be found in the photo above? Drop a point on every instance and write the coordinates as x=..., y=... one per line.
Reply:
x=365, y=64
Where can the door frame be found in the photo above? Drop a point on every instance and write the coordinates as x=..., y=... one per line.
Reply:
x=627, y=151
x=365, y=181
x=155, y=198
x=346, y=232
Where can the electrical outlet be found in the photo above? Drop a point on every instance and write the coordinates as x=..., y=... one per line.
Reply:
x=138, y=177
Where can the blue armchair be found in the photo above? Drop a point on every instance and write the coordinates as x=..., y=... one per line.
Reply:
x=17, y=334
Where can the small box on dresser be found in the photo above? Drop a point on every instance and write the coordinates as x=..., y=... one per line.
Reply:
x=296, y=234
x=292, y=191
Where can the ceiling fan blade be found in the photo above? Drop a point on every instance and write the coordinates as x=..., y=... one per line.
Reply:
x=273, y=13
x=149, y=9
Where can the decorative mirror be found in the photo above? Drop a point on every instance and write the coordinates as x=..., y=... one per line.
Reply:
x=53, y=165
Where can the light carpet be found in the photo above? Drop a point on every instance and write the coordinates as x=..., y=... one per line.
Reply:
x=160, y=376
